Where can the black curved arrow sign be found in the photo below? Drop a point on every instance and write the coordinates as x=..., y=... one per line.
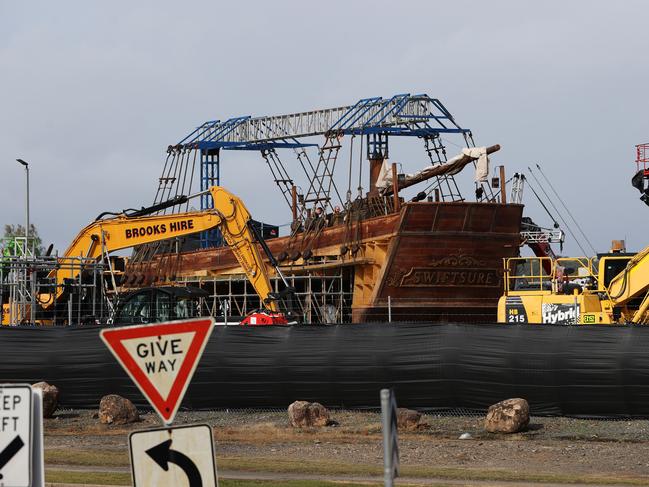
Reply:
x=162, y=454
x=10, y=450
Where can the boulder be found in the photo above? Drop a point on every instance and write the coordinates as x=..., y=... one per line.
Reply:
x=304, y=414
x=114, y=409
x=510, y=416
x=408, y=419
x=50, y=397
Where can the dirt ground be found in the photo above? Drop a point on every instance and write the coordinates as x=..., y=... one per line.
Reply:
x=559, y=446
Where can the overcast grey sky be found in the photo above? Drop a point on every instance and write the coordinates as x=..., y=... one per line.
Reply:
x=91, y=93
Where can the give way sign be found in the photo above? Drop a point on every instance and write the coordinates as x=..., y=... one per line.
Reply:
x=160, y=358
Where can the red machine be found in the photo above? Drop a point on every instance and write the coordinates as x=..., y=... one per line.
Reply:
x=261, y=318
x=642, y=158
x=640, y=180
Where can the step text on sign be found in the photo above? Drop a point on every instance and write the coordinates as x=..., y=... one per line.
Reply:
x=9, y=407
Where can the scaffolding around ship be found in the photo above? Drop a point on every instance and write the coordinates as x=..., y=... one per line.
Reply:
x=24, y=283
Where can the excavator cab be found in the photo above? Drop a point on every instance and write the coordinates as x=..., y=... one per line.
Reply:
x=610, y=265
x=169, y=303
x=161, y=304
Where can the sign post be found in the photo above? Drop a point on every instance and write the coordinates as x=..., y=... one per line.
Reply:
x=390, y=437
x=38, y=456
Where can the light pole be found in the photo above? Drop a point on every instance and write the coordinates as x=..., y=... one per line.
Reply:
x=26, y=164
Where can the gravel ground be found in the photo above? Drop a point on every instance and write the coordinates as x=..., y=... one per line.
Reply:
x=550, y=445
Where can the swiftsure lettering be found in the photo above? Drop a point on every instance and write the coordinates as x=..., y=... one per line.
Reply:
x=423, y=277
x=159, y=229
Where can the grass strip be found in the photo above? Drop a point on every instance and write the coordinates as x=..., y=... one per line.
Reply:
x=108, y=478
x=94, y=458
x=110, y=458
x=98, y=478
x=446, y=473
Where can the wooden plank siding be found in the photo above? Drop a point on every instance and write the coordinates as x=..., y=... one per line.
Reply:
x=436, y=261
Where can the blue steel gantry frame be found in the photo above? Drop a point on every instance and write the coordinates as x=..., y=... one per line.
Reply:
x=400, y=115
x=377, y=118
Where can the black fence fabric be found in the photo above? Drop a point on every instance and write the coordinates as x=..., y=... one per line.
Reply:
x=560, y=370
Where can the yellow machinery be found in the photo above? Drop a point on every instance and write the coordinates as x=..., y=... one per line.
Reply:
x=607, y=289
x=122, y=231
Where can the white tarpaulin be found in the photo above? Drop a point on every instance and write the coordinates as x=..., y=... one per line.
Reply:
x=482, y=163
x=384, y=181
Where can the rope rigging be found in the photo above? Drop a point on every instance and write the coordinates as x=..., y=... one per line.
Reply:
x=279, y=173
x=437, y=156
x=566, y=208
x=360, y=169
x=320, y=185
x=556, y=225
x=177, y=180
x=349, y=179
x=554, y=221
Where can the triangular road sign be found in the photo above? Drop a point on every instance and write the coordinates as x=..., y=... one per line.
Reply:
x=160, y=358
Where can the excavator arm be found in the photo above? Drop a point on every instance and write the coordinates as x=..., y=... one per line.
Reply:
x=229, y=215
x=631, y=283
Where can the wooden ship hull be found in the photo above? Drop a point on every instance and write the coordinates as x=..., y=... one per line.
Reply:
x=430, y=261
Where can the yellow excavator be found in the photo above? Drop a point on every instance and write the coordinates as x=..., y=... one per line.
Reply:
x=611, y=288
x=139, y=227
